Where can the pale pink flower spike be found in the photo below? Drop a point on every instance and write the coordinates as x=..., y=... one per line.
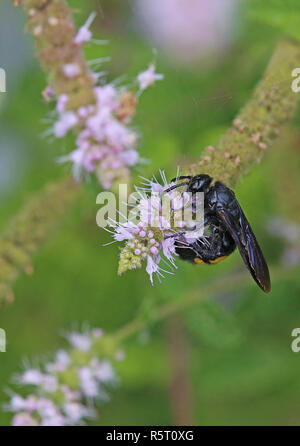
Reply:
x=48, y=386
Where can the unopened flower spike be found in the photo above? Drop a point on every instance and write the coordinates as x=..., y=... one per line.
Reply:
x=154, y=227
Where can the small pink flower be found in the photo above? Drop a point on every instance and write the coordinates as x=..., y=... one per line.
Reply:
x=83, y=35
x=23, y=419
x=88, y=382
x=152, y=267
x=107, y=97
x=97, y=333
x=17, y=403
x=75, y=412
x=49, y=383
x=61, y=103
x=31, y=377
x=115, y=133
x=46, y=408
x=65, y=123
x=97, y=122
x=80, y=341
x=129, y=157
x=61, y=363
x=148, y=77
x=103, y=371
x=122, y=233
x=31, y=403
x=71, y=70
x=82, y=112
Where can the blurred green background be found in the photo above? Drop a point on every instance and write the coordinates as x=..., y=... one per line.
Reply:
x=238, y=359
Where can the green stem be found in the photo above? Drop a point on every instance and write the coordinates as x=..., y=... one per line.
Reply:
x=216, y=287
x=257, y=124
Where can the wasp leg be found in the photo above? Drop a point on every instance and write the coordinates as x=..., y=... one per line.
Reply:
x=176, y=234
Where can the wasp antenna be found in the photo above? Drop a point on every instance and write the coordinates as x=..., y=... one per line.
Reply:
x=185, y=183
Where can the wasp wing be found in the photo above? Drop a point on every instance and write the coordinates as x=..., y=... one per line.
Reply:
x=241, y=231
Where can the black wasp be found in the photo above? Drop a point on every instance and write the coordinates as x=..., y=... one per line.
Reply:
x=226, y=227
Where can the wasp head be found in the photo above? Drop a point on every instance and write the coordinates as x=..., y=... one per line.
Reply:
x=199, y=183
